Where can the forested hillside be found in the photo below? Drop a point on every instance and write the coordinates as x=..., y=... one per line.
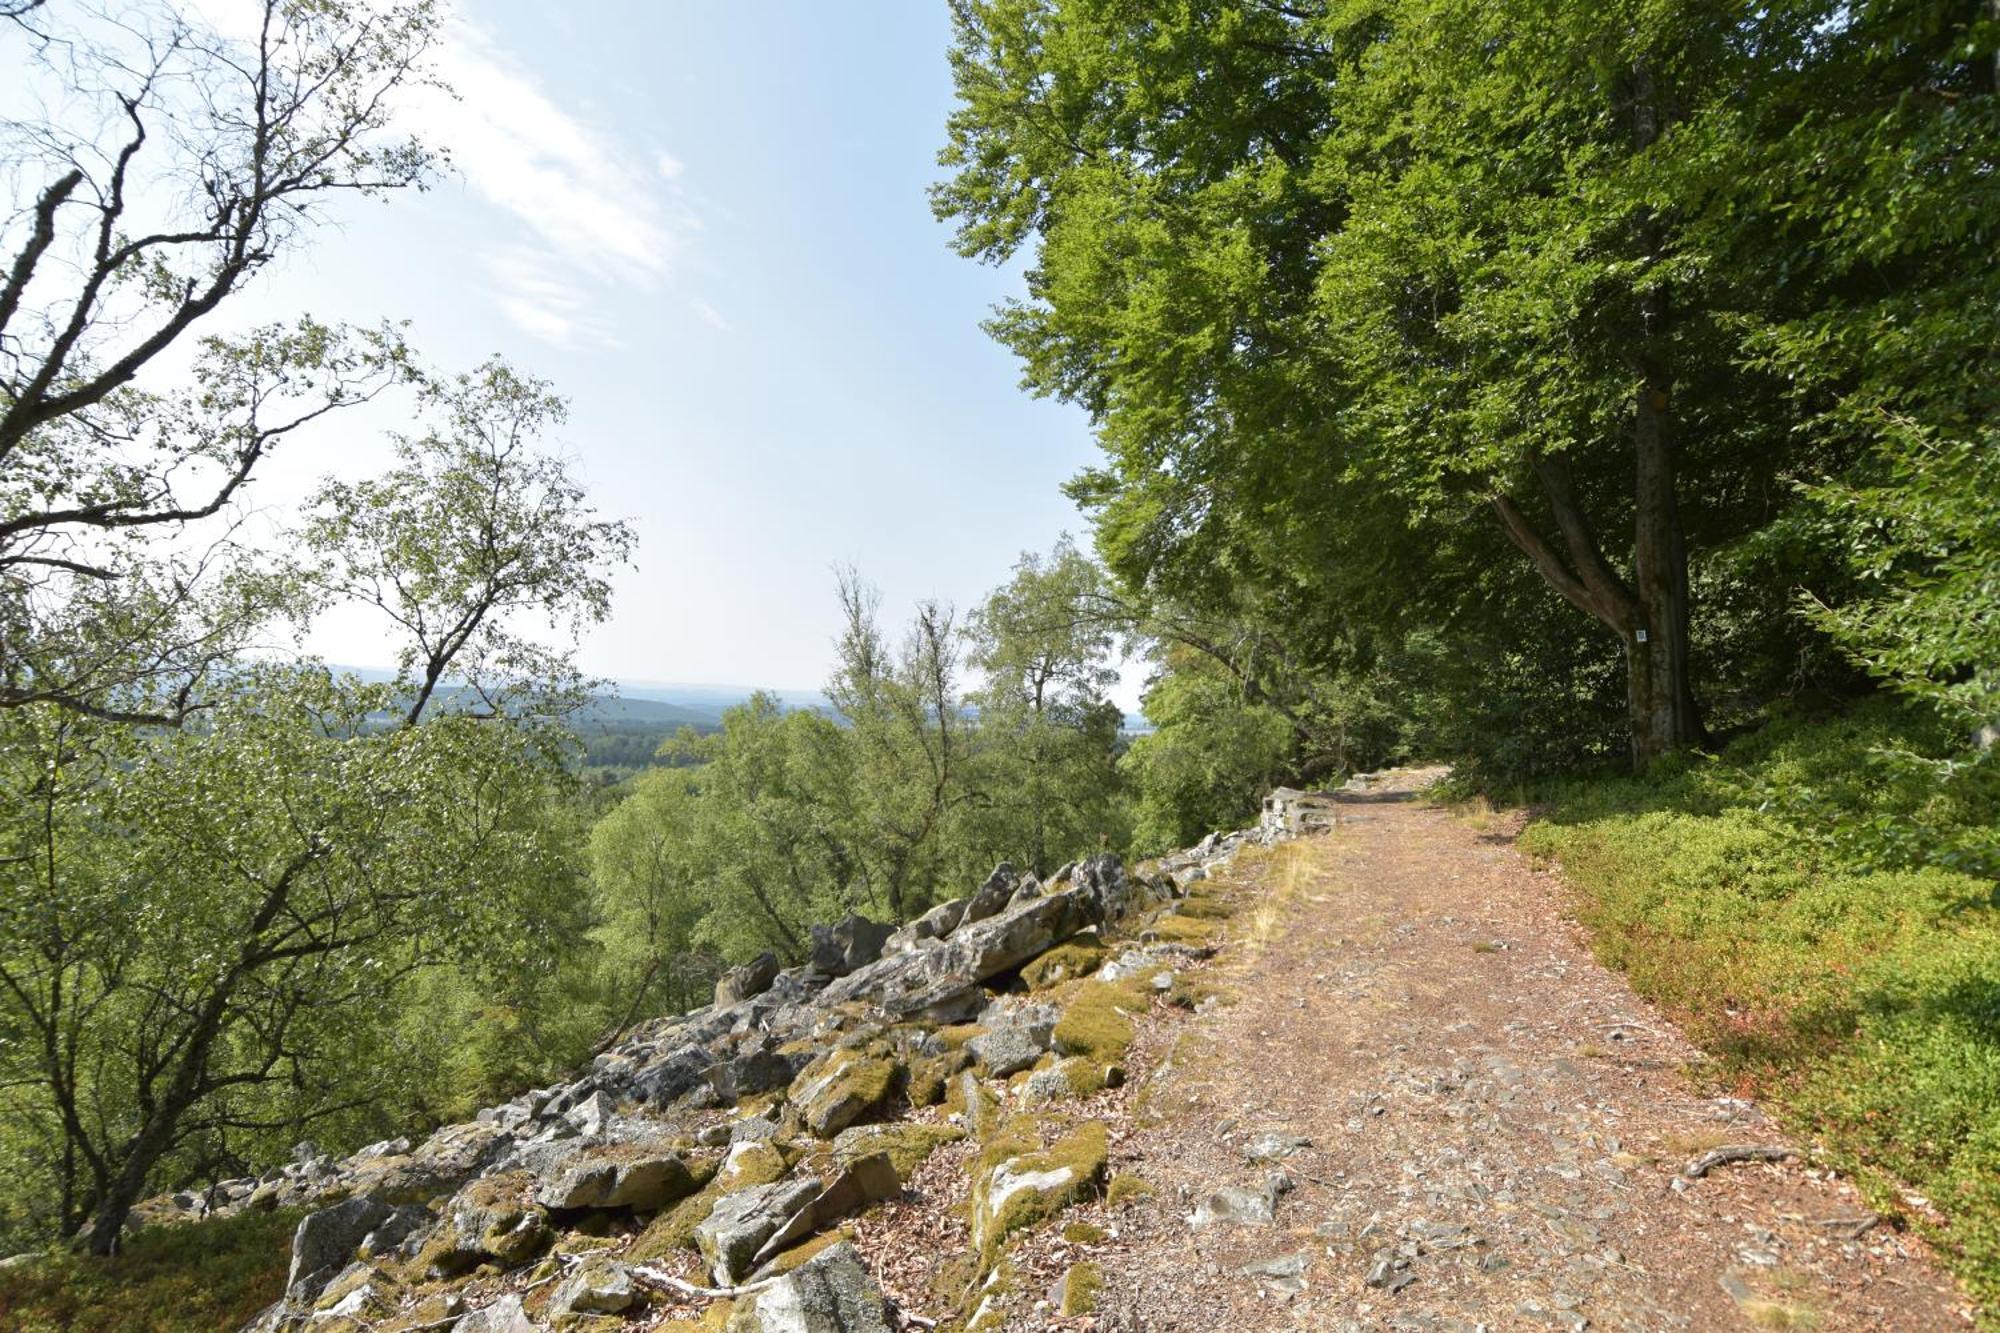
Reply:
x=1600, y=399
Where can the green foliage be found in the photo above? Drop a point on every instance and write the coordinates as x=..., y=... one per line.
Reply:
x=1210, y=761
x=1375, y=308
x=191, y=1278
x=1924, y=550
x=1047, y=736
x=1854, y=983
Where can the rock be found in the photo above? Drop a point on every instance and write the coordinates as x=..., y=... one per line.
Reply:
x=441, y=1164
x=505, y=1315
x=993, y=895
x=1237, y=1207
x=855, y=942
x=1030, y=887
x=617, y=1175
x=327, y=1241
x=596, y=1287
x=731, y=1235
x=755, y=1071
x=830, y=1293
x=741, y=983
x=1013, y=1047
x=1285, y=1273
x=866, y=1180
x=840, y=1088
x=591, y=1116
x=753, y=1129
x=1274, y=1147
x=932, y=925
x=1101, y=882
x=1290, y=813
x=676, y=1074
x=933, y=979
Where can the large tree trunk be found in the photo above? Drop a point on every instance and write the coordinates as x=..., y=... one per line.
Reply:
x=1660, y=692
x=1651, y=619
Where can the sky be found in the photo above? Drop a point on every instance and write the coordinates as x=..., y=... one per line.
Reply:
x=707, y=225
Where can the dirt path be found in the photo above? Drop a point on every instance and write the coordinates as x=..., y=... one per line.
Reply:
x=1496, y=1126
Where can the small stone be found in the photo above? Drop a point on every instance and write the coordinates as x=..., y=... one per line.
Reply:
x=1284, y=1273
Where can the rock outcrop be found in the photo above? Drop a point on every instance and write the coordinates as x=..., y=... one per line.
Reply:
x=752, y=1129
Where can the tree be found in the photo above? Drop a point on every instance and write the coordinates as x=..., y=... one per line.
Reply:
x=1210, y=760
x=202, y=919
x=472, y=530
x=1354, y=295
x=910, y=737
x=1047, y=735
x=192, y=159
x=650, y=895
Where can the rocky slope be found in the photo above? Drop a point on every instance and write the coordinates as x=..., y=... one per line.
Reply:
x=913, y=1101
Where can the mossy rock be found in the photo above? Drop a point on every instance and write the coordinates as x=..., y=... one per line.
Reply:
x=1205, y=907
x=493, y=1218
x=755, y=1164
x=1084, y=1233
x=908, y=1143
x=804, y=1251
x=1127, y=1188
x=954, y=1037
x=971, y=1099
x=1076, y=1293
x=1079, y=956
x=1019, y=1186
x=844, y=1087
x=930, y=1078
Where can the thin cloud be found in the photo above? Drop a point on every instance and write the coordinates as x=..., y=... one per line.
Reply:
x=563, y=178
x=708, y=314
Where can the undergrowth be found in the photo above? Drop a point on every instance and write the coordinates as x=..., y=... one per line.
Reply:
x=191, y=1278
x=1816, y=908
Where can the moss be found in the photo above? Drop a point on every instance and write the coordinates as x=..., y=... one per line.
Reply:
x=1082, y=1155
x=756, y=1164
x=907, y=1143
x=1188, y=992
x=1084, y=1233
x=805, y=1250
x=1094, y=1023
x=954, y=1037
x=1127, y=1188
x=1180, y=929
x=930, y=1078
x=1079, y=1289
x=1078, y=957
x=1205, y=907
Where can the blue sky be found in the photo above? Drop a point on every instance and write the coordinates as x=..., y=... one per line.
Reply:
x=707, y=224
